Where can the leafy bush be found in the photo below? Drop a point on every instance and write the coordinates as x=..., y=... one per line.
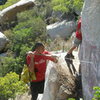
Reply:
x=30, y=29
x=10, y=86
x=67, y=5
x=9, y=64
x=71, y=99
x=97, y=93
x=26, y=33
x=8, y=3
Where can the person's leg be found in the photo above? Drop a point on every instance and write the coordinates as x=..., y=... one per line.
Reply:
x=80, y=69
x=36, y=88
x=34, y=96
x=74, y=69
x=76, y=43
x=41, y=86
x=34, y=91
x=71, y=49
x=70, y=70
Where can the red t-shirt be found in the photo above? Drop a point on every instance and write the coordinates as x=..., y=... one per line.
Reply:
x=78, y=33
x=40, y=63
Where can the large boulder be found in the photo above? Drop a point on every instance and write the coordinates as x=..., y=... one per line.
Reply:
x=3, y=42
x=9, y=13
x=90, y=48
x=60, y=84
x=63, y=29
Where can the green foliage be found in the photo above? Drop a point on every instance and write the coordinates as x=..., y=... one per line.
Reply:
x=60, y=5
x=97, y=93
x=8, y=3
x=78, y=4
x=29, y=30
x=10, y=86
x=71, y=99
x=9, y=64
x=67, y=5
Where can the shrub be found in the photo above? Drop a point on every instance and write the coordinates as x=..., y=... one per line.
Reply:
x=97, y=93
x=10, y=86
x=28, y=31
x=10, y=64
x=67, y=5
x=8, y=3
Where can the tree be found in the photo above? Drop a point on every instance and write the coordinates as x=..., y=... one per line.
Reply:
x=27, y=33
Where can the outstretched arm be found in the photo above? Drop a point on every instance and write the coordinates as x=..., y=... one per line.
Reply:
x=51, y=57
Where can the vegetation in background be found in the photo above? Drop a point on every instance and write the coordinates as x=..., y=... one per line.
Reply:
x=10, y=64
x=67, y=5
x=97, y=93
x=10, y=86
x=30, y=29
x=71, y=99
x=8, y=3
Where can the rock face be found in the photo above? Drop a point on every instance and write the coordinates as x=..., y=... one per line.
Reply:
x=3, y=42
x=9, y=13
x=62, y=29
x=60, y=84
x=90, y=48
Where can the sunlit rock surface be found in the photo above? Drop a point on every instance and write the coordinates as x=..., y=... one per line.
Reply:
x=9, y=14
x=90, y=48
x=3, y=42
x=59, y=83
x=62, y=29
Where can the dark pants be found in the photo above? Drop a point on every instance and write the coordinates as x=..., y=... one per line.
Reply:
x=36, y=88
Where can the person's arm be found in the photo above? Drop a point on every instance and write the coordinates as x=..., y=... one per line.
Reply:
x=30, y=62
x=51, y=57
x=31, y=65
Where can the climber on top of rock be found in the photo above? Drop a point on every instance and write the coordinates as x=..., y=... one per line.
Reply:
x=77, y=41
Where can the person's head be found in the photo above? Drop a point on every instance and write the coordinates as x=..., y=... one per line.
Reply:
x=39, y=47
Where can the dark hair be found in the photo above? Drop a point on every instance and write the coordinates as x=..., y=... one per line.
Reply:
x=36, y=46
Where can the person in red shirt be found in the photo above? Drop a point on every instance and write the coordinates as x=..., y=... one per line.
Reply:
x=37, y=62
x=78, y=39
